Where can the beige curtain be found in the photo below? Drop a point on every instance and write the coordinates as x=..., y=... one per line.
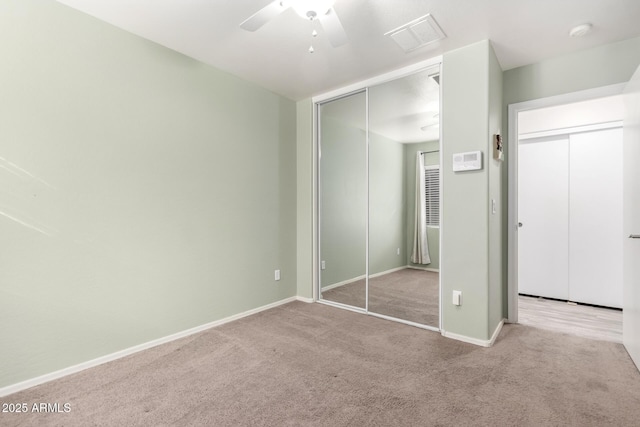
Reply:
x=420, y=253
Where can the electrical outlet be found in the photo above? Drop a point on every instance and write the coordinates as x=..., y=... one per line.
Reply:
x=457, y=297
x=398, y=251
x=277, y=274
x=322, y=265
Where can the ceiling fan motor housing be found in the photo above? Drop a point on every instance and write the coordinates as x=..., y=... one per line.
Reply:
x=310, y=9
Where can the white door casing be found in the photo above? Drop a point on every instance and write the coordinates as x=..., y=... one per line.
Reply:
x=631, y=220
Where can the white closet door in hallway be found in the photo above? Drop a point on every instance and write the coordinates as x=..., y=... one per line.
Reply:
x=570, y=207
x=595, y=217
x=543, y=210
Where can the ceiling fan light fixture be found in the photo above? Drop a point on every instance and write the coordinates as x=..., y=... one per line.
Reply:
x=311, y=9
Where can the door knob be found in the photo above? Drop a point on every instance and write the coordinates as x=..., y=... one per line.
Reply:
x=519, y=224
x=634, y=236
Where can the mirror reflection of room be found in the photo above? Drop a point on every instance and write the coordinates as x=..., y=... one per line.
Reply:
x=343, y=200
x=404, y=191
x=403, y=204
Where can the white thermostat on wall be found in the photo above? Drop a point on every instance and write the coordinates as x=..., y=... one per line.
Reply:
x=469, y=161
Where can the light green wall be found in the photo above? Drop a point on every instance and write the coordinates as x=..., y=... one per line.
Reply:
x=466, y=264
x=433, y=234
x=387, y=204
x=497, y=245
x=142, y=193
x=304, y=199
x=585, y=69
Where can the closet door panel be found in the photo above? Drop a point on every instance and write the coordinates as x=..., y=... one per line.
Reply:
x=543, y=209
x=398, y=109
x=595, y=205
x=343, y=200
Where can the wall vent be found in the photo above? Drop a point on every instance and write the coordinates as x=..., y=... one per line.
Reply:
x=417, y=33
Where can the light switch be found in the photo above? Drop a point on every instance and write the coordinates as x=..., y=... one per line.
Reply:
x=457, y=297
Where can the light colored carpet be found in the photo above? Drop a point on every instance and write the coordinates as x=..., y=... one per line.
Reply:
x=311, y=364
x=408, y=294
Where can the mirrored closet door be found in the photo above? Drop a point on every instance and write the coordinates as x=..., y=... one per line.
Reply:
x=404, y=186
x=343, y=200
x=379, y=199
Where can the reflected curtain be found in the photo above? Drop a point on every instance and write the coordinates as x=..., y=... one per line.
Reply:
x=420, y=253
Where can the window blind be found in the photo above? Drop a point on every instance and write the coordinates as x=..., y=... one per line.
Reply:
x=432, y=195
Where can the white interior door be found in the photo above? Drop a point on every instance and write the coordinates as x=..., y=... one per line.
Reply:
x=631, y=220
x=543, y=210
x=595, y=217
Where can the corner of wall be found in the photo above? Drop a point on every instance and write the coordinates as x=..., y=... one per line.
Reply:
x=465, y=246
x=304, y=198
x=498, y=205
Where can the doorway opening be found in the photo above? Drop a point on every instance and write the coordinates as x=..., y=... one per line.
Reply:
x=565, y=213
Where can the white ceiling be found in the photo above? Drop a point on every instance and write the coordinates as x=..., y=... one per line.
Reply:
x=276, y=57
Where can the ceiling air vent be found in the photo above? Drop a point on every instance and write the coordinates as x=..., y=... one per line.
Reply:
x=417, y=33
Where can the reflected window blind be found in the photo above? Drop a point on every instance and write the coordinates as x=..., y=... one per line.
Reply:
x=432, y=195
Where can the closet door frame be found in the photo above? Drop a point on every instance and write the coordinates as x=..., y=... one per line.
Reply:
x=317, y=101
x=318, y=246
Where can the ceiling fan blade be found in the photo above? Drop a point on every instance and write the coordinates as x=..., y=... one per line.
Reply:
x=263, y=16
x=333, y=28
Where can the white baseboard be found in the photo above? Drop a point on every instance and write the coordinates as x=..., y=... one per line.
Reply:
x=14, y=388
x=344, y=282
x=476, y=341
x=434, y=270
x=496, y=333
x=305, y=299
x=382, y=273
x=464, y=338
x=355, y=279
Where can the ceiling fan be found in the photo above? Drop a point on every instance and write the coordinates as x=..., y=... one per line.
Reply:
x=321, y=10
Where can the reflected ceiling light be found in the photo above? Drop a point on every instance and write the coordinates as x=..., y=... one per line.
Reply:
x=310, y=9
x=580, y=30
x=427, y=127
